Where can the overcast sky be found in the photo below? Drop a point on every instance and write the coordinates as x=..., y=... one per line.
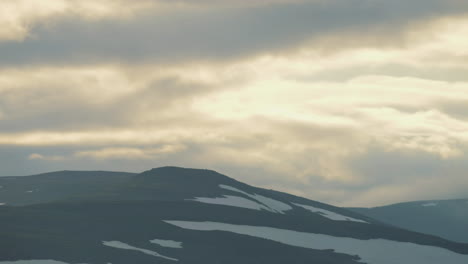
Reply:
x=349, y=102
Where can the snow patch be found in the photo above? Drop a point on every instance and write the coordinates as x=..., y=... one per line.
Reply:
x=381, y=251
x=230, y=200
x=30, y=191
x=121, y=245
x=167, y=243
x=429, y=204
x=230, y=188
x=329, y=214
x=272, y=205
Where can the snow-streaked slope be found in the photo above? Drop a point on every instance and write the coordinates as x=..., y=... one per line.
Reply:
x=372, y=251
x=121, y=245
x=131, y=209
x=274, y=205
x=230, y=200
x=167, y=243
x=256, y=201
x=329, y=214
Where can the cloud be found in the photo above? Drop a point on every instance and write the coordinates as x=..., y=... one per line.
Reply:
x=273, y=115
x=36, y=156
x=398, y=176
x=81, y=97
x=130, y=153
x=95, y=97
x=18, y=17
x=200, y=34
x=351, y=102
x=457, y=108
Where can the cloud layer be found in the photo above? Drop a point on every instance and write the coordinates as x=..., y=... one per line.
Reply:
x=360, y=102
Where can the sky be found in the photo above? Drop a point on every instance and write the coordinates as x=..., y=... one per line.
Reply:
x=349, y=102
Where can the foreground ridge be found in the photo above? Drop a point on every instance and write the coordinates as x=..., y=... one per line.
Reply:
x=173, y=214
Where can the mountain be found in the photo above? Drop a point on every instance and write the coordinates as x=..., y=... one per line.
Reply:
x=56, y=186
x=178, y=215
x=444, y=218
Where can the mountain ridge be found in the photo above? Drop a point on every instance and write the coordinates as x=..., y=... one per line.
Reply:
x=115, y=216
x=442, y=218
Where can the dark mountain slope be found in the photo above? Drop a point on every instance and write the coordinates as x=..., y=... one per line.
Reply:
x=74, y=233
x=142, y=218
x=57, y=186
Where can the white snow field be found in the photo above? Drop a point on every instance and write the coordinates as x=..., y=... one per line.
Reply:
x=329, y=214
x=230, y=200
x=274, y=206
x=2, y=203
x=429, y=204
x=167, y=243
x=121, y=245
x=371, y=251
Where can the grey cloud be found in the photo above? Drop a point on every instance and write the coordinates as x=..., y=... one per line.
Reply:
x=14, y=161
x=381, y=166
x=428, y=72
x=205, y=34
x=61, y=110
x=455, y=108
x=286, y=155
x=242, y=156
x=412, y=175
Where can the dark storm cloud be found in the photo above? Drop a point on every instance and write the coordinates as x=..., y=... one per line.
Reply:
x=218, y=33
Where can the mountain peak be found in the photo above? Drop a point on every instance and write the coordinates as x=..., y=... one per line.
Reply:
x=181, y=172
x=175, y=169
x=183, y=177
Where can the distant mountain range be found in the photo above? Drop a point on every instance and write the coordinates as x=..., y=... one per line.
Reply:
x=178, y=215
x=444, y=218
